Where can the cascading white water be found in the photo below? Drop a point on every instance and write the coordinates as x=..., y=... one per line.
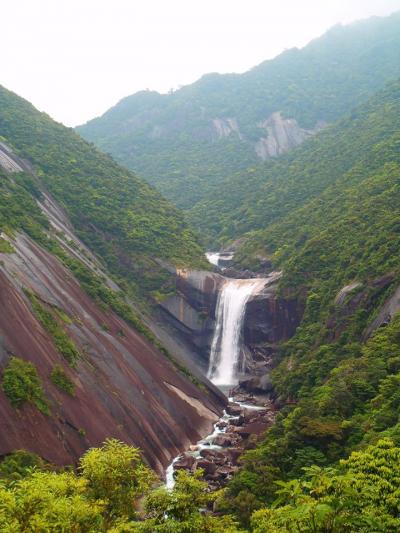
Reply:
x=226, y=345
x=213, y=258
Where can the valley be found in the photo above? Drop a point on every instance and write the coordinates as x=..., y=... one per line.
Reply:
x=203, y=334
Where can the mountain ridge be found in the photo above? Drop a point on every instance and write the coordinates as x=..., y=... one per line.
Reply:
x=189, y=140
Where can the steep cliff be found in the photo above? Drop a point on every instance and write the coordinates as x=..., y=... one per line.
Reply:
x=67, y=329
x=270, y=318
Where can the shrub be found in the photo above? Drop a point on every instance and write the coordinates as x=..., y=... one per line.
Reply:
x=6, y=247
x=21, y=384
x=63, y=343
x=61, y=380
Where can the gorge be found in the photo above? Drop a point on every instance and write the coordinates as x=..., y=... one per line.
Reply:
x=130, y=357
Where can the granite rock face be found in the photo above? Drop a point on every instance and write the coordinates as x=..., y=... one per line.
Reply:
x=269, y=318
x=124, y=387
x=282, y=134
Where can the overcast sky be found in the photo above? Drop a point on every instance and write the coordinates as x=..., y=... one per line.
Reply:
x=76, y=58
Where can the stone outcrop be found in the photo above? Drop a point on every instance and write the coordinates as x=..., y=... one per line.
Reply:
x=224, y=127
x=386, y=313
x=269, y=318
x=191, y=312
x=366, y=295
x=282, y=134
x=124, y=386
x=346, y=291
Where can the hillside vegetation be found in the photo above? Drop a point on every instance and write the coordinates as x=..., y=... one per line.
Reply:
x=330, y=219
x=346, y=153
x=188, y=141
x=125, y=221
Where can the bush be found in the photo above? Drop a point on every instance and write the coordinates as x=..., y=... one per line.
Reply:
x=21, y=384
x=19, y=464
x=6, y=247
x=61, y=380
x=63, y=343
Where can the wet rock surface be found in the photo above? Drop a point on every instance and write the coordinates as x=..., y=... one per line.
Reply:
x=219, y=454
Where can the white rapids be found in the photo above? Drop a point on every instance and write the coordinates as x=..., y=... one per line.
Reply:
x=225, y=361
x=213, y=258
x=207, y=442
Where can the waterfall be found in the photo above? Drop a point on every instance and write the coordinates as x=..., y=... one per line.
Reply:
x=213, y=258
x=226, y=345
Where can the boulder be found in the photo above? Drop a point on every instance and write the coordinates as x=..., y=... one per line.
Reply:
x=255, y=428
x=225, y=439
x=225, y=471
x=234, y=454
x=238, y=421
x=216, y=456
x=208, y=466
x=233, y=409
x=184, y=462
x=257, y=384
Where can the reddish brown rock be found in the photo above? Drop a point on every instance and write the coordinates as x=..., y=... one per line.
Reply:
x=217, y=456
x=225, y=471
x=184, y=462
x=226, y=439
x=124, y=387
x=233, y=409
x=255, y=428
x=208, y=466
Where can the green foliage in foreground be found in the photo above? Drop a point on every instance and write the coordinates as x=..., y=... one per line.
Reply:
x=104, y=496
x=361, y=495
x=21, y=384
x=18, y=464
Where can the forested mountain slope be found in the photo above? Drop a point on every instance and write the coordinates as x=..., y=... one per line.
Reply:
x=187, y=141
x=261, y=195
x=123, y=219
x=337, y=378
x=77, y=364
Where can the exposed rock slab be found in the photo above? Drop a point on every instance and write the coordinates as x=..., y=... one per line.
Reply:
x=282, y=134
x=125, y=388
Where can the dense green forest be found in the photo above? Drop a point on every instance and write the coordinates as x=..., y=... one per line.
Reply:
x=327, y=214
x=329, y=219
x=112, y=491
x=125, y=221
x=346, y=153
x=171, y=140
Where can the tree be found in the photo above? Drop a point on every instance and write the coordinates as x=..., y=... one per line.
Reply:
x=116, y=475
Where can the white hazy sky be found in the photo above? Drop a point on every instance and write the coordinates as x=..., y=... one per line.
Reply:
x=76, y=58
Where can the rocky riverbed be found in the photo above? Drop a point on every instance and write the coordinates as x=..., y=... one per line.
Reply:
x=244, y=421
